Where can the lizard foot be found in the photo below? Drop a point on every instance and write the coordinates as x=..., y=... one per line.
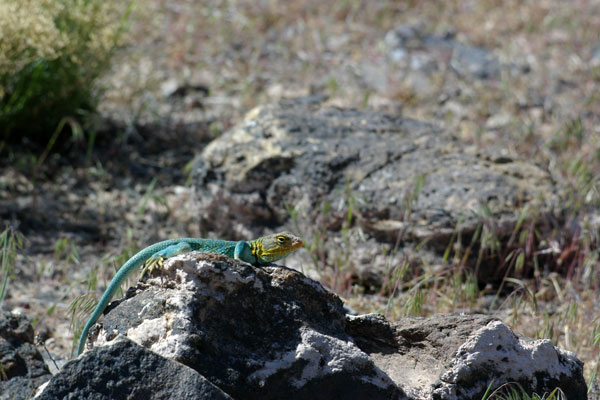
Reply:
x=151, y=264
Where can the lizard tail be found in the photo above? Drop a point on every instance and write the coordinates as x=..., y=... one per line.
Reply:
x=115, y=283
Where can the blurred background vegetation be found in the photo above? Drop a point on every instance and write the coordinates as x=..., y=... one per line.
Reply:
x=51, y=55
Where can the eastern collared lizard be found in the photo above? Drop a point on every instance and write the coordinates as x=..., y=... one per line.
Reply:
x=261, y=251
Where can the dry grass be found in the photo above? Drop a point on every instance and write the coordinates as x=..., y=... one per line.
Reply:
x=251, y=52
x=264, y=51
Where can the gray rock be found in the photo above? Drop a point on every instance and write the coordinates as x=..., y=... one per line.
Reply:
x=458, y=356
x=272, y=333
x=124, y=370
x=474, y=61
x=23, y=368
x=255, y=333
x=419, y=67
x=411, y=48
x=409, y=182
x=595, y=56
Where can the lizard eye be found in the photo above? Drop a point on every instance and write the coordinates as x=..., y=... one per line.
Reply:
x=281, y=239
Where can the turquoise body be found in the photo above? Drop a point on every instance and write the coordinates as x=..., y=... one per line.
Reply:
x=240, y=250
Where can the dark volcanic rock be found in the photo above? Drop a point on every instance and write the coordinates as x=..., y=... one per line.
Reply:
x=406, y=181
x=271, y=333
x=124, y=370
x=298, y=154
x=255, y=333
x=23, y=368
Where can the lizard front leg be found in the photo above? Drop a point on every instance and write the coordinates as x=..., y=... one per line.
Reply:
x=243, y=252
x=157, y=259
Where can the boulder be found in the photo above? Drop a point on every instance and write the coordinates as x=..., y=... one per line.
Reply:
x=403, y=182
x=272, y=333
x=460, y=356
x=125, y=370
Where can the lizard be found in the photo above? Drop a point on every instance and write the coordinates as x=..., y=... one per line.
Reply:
x=261, y=251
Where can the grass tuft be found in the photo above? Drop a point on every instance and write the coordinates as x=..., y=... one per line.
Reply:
x=514, y=391
x=51, y=53
x=11, y=242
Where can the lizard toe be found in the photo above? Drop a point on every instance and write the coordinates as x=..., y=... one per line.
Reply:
x=151, y=264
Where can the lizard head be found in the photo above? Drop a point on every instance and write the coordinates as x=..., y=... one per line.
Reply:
x=277, y=246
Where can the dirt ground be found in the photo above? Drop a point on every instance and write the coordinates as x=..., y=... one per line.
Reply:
x=520, y=76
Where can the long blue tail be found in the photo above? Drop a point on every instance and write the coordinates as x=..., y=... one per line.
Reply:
x=116, y=282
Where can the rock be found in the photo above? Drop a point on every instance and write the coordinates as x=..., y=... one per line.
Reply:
x=411, y=48
x=418, y=66
x=407, y=182
x=125, y=370
x=23, y=368
x=475, y=62
x=595, y=56
x=255, y=333
x=458, y=356
x=495, y=349
x=272, y=333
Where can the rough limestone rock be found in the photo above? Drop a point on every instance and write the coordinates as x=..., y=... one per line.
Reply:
x=408, y=181
x=272, y=333
x=23, y=368
x=456, y=357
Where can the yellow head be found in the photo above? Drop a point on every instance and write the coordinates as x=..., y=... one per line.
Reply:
x=274, y=247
